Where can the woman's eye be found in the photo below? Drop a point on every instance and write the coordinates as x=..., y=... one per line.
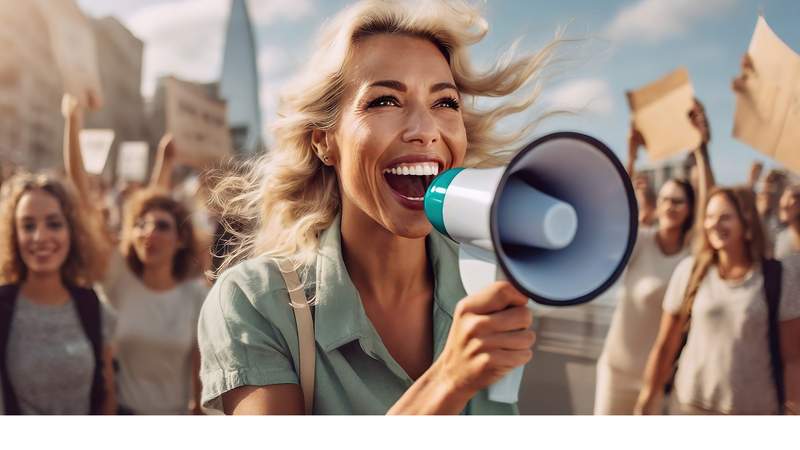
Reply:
x=386, y=100
x=29, y=227
x=448, y=102
x=55, y=225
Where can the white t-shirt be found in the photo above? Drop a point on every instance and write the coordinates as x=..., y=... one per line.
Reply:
x=786, y=244
x=635, y=324
x=155, y=336
x=725, y=365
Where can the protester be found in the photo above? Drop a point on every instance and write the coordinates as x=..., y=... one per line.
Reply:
x=719, y=296
x=635, y=323
x=395, y=331
x=55, y=356
x=788, y=240
x=152, y=282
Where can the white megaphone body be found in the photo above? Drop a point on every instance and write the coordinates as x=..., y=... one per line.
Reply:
x=559, y=222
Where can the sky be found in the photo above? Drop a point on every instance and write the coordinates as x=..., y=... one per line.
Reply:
x=619, y=45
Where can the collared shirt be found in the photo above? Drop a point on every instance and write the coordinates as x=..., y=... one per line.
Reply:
x=248, y=336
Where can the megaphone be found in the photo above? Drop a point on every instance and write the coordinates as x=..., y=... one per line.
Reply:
x=559, y=222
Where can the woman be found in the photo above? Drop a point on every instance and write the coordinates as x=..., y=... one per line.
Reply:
x=54, y=332
x=393, y=334
x=153, y=283
x=720, y=296
x=788, y=240
x=635, y=323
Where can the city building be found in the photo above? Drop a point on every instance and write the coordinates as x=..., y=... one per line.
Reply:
x=239, y=81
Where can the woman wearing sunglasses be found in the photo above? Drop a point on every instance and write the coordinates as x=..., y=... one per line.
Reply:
x=152, y=282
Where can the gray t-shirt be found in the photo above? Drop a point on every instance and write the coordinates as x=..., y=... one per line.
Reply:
x=786, y=244
x=50, y=359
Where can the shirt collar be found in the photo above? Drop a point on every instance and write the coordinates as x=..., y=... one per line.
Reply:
x=339, y=315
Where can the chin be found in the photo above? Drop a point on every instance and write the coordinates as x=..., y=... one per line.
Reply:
x=416, y=228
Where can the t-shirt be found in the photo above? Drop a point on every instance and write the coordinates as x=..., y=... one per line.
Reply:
x=154, y=341
x=50, y=360
x=635, y=324
x=786, y=243
x=248, y=334
x=725, y=365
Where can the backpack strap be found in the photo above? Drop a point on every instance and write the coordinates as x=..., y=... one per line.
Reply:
x=8, y=302
x=88, y=307
x=772, y=289
x=305, y=332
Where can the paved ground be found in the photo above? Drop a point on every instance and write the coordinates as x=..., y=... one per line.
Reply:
x=561, y=377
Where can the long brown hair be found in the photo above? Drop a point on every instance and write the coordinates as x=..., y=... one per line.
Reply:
x=744, y=203
x=185, y=263
x=85, y=261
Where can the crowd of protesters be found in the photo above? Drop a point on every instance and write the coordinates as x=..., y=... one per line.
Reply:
x=102, y=289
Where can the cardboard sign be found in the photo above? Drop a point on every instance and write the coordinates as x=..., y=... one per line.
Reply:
x=661, y=113
x=132, y=161
x=73, y=45
x=198, y=124
x=768, y=110
x=95, y=145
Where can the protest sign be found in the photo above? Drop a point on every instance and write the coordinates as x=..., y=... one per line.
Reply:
x=132, y=161
x=768, y=108
x=73, y=45
x=198, y=124
x=661, y=113
x=95, y=145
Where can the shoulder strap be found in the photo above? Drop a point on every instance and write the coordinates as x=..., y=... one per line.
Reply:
x=772, y=289
x=88, y=307
x=8, y=302
x=305, y=332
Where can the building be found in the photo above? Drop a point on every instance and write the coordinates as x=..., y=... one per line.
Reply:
x=239, y=81
x=31, y=126
x=119, y=56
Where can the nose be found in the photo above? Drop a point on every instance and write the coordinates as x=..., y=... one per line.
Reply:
x=420, y=126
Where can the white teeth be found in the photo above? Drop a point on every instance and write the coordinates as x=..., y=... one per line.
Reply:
x=422, y=169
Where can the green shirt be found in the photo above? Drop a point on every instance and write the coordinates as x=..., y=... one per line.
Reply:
x=248, y=336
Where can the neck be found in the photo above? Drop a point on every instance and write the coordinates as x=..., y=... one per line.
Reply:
x=669, y=240
x=45, y=288
x=158, y=277
x=733, y=262
x=384, y=267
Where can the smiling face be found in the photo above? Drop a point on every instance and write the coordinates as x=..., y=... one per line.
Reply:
x=401, y=125
x=43, y=234
x=723, y=226
x=155, y=238
x=789, y=211
x=672, y=206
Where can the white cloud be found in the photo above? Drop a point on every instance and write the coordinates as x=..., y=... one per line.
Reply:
x=272, y=60
x=264, y=12
x=655, y=20
x=586, y=95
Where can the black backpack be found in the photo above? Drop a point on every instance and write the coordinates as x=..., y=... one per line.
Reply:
x=88, y=307
x=772, y=271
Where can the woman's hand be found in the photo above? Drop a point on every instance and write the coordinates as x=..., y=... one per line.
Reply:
x=739, y=84
x=648, y=405
x=69, y=106
x=489, y=337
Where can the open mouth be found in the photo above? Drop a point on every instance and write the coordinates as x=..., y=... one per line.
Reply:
x=409, y=181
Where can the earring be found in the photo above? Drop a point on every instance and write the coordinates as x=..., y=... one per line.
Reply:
x=324, y=158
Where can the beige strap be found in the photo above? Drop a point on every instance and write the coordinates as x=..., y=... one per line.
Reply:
x=305, y=331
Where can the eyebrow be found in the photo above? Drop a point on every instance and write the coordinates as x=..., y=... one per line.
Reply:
x=398, y=86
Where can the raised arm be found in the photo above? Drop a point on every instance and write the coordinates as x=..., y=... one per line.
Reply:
x=161, y=177
x=635, y=140
x=73, y=161
x=705, y=175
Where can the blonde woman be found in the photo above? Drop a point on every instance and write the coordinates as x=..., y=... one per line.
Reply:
x=55, y=352
x=385, y=103
x=732, y=362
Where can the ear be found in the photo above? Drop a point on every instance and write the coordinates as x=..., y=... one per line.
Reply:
x=325, y=146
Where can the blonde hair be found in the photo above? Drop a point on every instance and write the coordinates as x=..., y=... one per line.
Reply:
x=86, y=259
x=744, y=203
x=279, y=204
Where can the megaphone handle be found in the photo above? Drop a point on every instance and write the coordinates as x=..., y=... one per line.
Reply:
x=507, y=389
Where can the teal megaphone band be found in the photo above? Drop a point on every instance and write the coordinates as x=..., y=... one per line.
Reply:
x=434, y=198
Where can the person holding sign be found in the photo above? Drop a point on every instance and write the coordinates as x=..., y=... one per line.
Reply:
x=389, y=91
x=152, y=282
x=658, y=251
x=731, y=318
x=55, y=334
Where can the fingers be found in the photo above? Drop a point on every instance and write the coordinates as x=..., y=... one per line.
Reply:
x=496, y=297
x=510, y=340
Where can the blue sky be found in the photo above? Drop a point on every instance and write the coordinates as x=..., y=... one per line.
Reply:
x=625, y=44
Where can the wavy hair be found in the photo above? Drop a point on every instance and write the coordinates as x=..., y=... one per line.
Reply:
x=86, y=260
x=278, y=204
